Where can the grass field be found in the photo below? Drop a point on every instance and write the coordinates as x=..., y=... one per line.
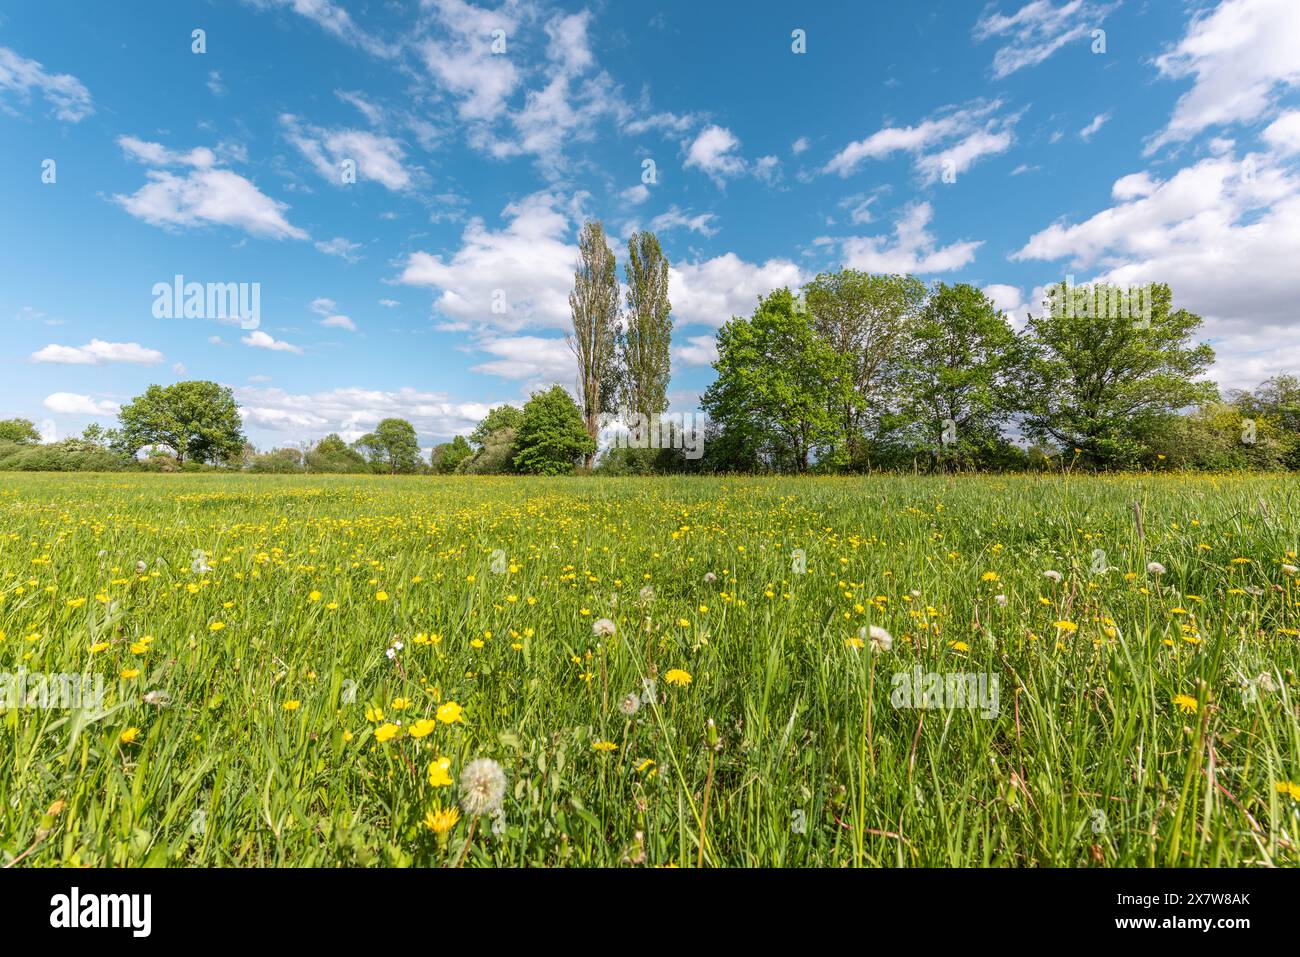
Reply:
x=258, y=710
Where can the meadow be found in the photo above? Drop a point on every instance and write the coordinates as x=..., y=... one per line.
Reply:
x=312, y=670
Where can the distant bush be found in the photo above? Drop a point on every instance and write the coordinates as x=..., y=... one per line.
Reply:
x=70, y=455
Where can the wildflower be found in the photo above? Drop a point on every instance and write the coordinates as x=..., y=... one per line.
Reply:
x=630, y=704
x=216, y=626
x=381, y=596
x=1001, y=600
x=440, y=822
x=1289, y=789
x=386, y=732
x=960, y=646
x=450, y=713
x=602, y=628
x=422, y=727
x=129, y=673
x=141, y=567
x=678, y=677
x=98, y=646
x=989, y=577
x=438, y=776
x=647, y=594
x=1053, y=576
x=649, y=692
x=1291, y=570
x=157, y=698
x=881, y=640
x=483, y=785
x=1185, y=703
x=605, y=746
x=1155, y=568
x=1068, y=627
x=710, y=578
x=1266, y=682
x=129, y=735
x=292, y=705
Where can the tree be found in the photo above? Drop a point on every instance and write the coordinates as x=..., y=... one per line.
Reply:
x=332, y=454
x=392, y=447
x=553, y=436
x=1277, y=398
x=956, y=385
x=502, y=417
x=865, y=318
x=780, y=387
x=446, y=457
x=594, y=306
x=21, y=431
x=1103, y=383
x=196, y=420
x=644, y=345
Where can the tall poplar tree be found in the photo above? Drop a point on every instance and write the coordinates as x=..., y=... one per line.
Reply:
x=644, y=344
x=594, y=306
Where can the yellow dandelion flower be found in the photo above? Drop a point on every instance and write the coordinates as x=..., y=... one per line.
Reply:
x=1185, y=703
x=129, y=735
x=678, y=677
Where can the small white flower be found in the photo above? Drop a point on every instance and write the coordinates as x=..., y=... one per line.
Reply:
x=1155, y=568
x=1001, y=600
x=880, y=639
x=602, y=628
x=157, y=698
x=1053, y=575
x=1290, y=570
x=392, y=655
x=630, y=704
x=709, y=578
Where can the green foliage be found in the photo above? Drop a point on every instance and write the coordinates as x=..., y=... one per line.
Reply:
x=195, y=420
x=20, y=431
x=779, y=387
x=392, y=447
x=552, y=438
x=501, y=417
x=447, y=456
x=1103, y=384
x=278, y=462
x=332, y=454
x=495, y=457
x=70, y=455
x=643, y=347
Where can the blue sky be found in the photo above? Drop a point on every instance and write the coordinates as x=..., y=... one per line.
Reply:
x=995, y=144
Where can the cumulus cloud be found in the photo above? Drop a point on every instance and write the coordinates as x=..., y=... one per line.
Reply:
x=913, y=248
x=675, y=218
x=98, y=352
x=338, y=246
x=713, y=152
x=1283, y=134
x=261, y=340
x=206, y=195
x=712, y=291
x=1240, y=56
x=70, y=403
x=533, y=360
x=698, y=351
x=1037, y=30
x=506, y=279
x=66, y=95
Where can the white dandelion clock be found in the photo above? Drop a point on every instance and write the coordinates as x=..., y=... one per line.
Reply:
x=602, y=628
x=1155, y=568
x=1053, y=576
x=482, y=786
x=879, y=639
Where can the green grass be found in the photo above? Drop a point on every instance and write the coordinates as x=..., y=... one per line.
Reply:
x=1088, y=760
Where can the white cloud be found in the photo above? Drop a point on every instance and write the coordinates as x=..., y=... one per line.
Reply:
x=666, y=123
x=635, y=194
x=800, y=145
x=389, y=303
x=1007, y=298
x=70, y=403
x=698, y=351
x=1225, y=235
x=1240, y=55
x=675, y=218
x=260, y=340
x=352, y=412
x=339, y=322
x=1037, y=30
x=336, y=21
x=377, y=157
x=713, y=153
x=1089, y=131
x=969, y=132
x=322, y=306
x=215, y=86
x=913, y=250
x=65, y=94
x=506, y=280
x=464, y=63
x=536, y=361
x=338, y=246
x=1284, y=133
x=767, y=169
x=713, y=291
x=97, y=352
x=205, y=195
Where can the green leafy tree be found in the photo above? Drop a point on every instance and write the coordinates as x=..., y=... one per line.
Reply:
x=392, y=447
x=21, y=431
x=1278, y=399
x=957, y=381
x=502, y=417
x=197, y=421
x=553, y=436
x=1104, y=383
x=780, y=389
x=866, y=318
x=446, y=458
x=332, y=454
x=594, y=307
x=644, y=345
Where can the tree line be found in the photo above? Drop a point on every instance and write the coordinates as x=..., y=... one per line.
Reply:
x=859, y=372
